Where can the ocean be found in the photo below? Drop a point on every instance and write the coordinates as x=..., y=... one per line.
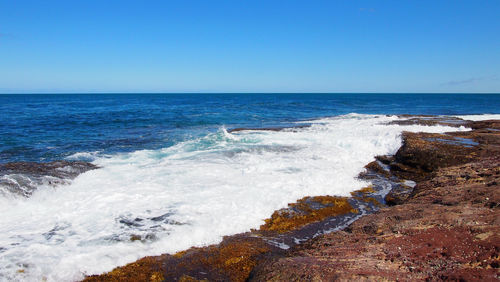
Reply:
x=173, y=173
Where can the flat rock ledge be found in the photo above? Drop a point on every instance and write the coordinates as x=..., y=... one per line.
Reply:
x=446, y=227
x=23, y=178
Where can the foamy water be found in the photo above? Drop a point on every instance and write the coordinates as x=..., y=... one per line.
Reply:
x=189, y=194
x=479, y=117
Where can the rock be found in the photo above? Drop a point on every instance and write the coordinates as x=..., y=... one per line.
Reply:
x=431, y=121
x=398, y=195
x=385, y=159
x=441, y=232
x=231, y=260
x=267, y=128
x=375, y=167
x=60, y=169
x=424, y=153
x=23, y=178
x=305, y=211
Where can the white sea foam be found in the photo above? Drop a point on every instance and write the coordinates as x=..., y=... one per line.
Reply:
x=186, y=195
x=480, y=117
x=83, y=156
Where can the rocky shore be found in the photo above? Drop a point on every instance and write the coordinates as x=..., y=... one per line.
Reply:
x=23, y=178
x=439, y=221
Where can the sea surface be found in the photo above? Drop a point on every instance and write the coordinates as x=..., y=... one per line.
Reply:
x=172, y=172
x=51, y=127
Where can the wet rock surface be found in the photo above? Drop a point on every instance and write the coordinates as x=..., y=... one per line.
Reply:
x=231, y=260
x=432, y=120
x=61, y=169
x=277, y=128
x=23, y=178
x=446, y=227
x=307, y=210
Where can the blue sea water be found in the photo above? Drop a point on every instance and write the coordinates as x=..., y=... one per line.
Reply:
x=50, y=127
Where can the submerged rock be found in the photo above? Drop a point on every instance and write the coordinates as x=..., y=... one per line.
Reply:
x=278, y=128
x=23, y=178
x=60, y=169
x=431, y=120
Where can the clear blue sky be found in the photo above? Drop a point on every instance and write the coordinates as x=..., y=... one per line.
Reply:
x=249, y=46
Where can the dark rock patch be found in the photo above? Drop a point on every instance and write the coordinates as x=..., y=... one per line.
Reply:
x=23, y=178
x=267, y=128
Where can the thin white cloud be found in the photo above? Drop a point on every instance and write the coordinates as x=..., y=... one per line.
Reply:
x=470, y=80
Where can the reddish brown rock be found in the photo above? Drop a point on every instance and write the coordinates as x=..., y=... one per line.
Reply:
x=398, y=195
x=424, y=153
x=145, y=269
x=442, y=232
x=375, y=167
x=431, y=120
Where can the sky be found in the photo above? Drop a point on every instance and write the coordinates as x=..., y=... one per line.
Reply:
x=249, y=46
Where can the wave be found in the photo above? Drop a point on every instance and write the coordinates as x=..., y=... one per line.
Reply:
x=150, y=202
x=479, y=117
x=83, y=156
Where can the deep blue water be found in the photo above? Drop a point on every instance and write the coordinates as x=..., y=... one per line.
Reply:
x=50, y=127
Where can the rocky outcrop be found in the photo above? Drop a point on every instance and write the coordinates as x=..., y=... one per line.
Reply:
x=60, y=169
x=305, y=211
x=430, y=120
x=277, y=128
x=231, y=260
x=448, y=229
x=23, y=178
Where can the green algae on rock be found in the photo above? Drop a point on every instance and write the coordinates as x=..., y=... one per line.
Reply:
x=307, y=210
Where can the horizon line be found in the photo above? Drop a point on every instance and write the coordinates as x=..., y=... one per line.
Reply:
x=210, y=92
